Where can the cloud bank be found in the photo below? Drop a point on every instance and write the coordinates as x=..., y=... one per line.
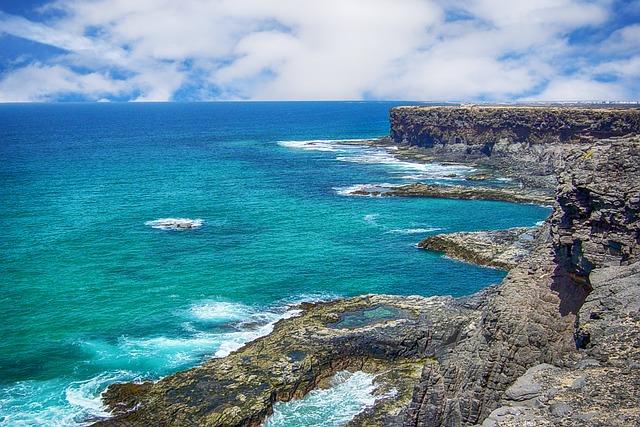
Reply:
x=467, y=50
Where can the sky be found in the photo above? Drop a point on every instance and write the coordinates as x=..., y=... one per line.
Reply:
x=424, y=50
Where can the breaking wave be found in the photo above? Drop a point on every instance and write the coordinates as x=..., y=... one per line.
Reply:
x=348, y=395
x=413, y=230
x=331, y=145
x=352, y=190
x=57, y=403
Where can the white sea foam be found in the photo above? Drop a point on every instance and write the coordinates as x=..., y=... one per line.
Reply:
x=370, y=218
x=175, y=223
x=418, y=170
x=247, y=324
x=351, y=190
x=348, y=395
x=221, y=311
x=413, y=230
x=58, y=403
x=235, y=340
x=335, y=145
x=54, y=403
x=86, y=394
x=294, y=301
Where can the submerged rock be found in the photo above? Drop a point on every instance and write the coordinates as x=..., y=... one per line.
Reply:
x=175, y=223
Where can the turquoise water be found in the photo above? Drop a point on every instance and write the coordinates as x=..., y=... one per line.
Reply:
x=92, y=295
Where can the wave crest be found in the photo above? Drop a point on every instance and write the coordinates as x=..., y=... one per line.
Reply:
x=413, y=230
x=335, y=145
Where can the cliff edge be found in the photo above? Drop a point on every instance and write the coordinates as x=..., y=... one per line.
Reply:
x=526, y=143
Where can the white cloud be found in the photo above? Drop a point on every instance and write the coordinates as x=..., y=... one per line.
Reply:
x=41, y=83
x=580, y=89
x=629, y=68
x=330, y=49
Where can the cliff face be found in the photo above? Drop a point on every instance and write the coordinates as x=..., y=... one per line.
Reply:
x=573, y=307
x=597, y=221
x=525, y=142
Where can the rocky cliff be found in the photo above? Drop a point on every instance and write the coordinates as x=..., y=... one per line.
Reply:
x=549, y=307
x=596, y=237
x=524, y=142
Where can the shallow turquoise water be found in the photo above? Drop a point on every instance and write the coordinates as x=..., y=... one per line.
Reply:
x=92, y=295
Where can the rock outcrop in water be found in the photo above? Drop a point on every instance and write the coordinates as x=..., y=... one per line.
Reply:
x=556, y=343
x=500, y=248
x=459, y=192
x=179, y=224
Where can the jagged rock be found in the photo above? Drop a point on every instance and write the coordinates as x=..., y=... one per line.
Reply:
x=526, y=387
x=533, y=318
x=500, y=248
x=529, y=321
x=603, y=386
x=598, y=223
x=479, y=177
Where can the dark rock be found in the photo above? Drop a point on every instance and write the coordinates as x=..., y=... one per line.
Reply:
x=389, y=336
x=560, y=409
x=455, y=192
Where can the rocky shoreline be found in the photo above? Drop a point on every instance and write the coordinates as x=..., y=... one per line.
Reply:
x=454, y=192
x=556, y=343
x=390, y=336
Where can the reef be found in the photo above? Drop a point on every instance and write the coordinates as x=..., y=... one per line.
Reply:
x=556, y=343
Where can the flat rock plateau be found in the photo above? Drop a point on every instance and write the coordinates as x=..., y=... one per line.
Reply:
x=499, y=248
x=556, y=343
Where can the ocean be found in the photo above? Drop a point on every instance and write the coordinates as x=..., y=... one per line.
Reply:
x=95, y=290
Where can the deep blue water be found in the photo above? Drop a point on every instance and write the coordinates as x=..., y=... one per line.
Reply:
x=91, y=294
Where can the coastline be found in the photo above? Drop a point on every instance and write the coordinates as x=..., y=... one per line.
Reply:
x=541, y=298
